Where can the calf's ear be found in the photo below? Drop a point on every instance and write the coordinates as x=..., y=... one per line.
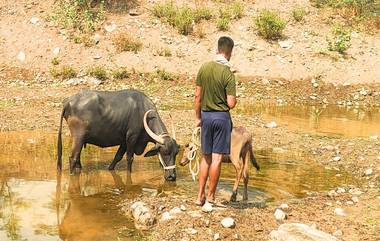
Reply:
x=152, y=151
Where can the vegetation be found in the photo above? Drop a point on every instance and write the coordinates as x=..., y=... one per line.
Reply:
x=227, y=14
x=223, y=24
x=270, y=25
x=298, y=13
x=124, y=42
x=202, y=13
x=78, y=14
x=340, y=40
x=164, y=75
x=65, y=72
x=97, y=72
x=121, y=73
x=55, y=61
x=183, y=20
x=166, y=52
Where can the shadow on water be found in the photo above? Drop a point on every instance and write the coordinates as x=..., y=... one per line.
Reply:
x=36, y=204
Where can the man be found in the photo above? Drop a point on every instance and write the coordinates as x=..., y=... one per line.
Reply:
x=215, y=95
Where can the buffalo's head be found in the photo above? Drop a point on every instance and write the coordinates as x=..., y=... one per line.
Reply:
x=166, y=148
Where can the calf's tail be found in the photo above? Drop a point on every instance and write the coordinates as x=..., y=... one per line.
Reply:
x=59, y=143
x=253, y=159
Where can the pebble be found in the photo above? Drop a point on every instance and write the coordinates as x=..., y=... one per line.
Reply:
x=340, y=190
x=286, y=44
x=34, y=20
x=336, y=158
x=271, y=125
x=237, y=236
x=175, y=211
x=56, y=51
x=97, y=38
x=355, y=199
x=183, y=207
x=217, y=236
x=350, y=203
x=21, y=56
x=207, y=207
x=228, y=222
x=166, y=216
x=340, y=212
x=279, y=215
x=191, y=231
x=329, y=148
x=110, y=27
x=363, y=92
x=373, y=137
x=368, y=172
x=284, y=206
x=338, y=233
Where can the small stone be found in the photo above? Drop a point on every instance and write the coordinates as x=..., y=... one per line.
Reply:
x=338, y=233
x=340, y=212
x=368, y=172
x=217, y=236
x=315, y=85
x=350, y=203
x=183, y=208
x=355, y=199
x=207, y=222
x=363, y=92
x=287, y=44
x=279, y=215
x=355, y=191
x=191, y=231
x=34, y=20
x=284, y=206
x=21, y=56
x=374, y=137
x=175, y=211
x=166, y=216
x=329, y=148
x=97, y=38
x=271, y=125
x=340, y=190
x=110, y=27
x=238, y=236
x=97, y=57
x=265, y=81
x=56, y=50
x=228, y=222
x=336, y=158
x=207, y=207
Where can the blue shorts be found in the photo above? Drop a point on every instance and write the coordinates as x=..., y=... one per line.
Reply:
x=216, y=130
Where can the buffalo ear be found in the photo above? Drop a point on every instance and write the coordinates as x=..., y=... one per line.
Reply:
x=152, y=151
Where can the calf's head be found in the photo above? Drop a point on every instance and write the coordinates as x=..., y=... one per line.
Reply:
x=166, y=148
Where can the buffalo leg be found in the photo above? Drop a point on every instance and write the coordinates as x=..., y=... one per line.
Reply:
x=239, y=170
x=129, y=162
x=245, y=193
x=119, y=155
x=75, y=153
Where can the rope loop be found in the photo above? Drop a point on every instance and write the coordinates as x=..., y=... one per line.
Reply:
x=192, y=154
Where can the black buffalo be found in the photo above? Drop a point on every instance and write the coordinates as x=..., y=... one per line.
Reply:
x=126, y=118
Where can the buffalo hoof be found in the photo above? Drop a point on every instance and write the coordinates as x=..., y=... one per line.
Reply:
x=233, y=197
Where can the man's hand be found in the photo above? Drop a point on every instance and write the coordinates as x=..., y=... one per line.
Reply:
x=197, y=122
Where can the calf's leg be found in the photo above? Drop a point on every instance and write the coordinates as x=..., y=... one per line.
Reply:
x=239, y=171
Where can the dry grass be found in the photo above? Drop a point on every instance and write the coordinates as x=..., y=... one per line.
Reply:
x=124, y=42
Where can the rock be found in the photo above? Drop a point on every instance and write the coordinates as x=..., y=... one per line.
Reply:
x=286, y=44
x=217, y=236
x=338, y=233
x=194, y=214
x=238, y=236
x=34, y=20
x=110, y=27
x=363, y=92
x=355, y=199
x=96, y=57
x=355, y=191
x=374, y=137
x=166, y=216
x=340, y=212
x=56, y=50
x=336, y=158
x=142, y=215
x=228, y=222
x=134, y=12
x=183, y=208
x=368, y=172
x=191, y=231
x=315, y=85
x=346, y=84
x=284, y=206
x=350, y=203
x=97, y=38
x=265, y=81
x=299, y=232
x=340, y=190
x=207, y=207
x=329, y=148
x=174, y=211
x=279, y=215
x=271, y=125
x=21, y=56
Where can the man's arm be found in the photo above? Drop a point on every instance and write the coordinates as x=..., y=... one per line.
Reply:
x=197, y=105
x=231, y=101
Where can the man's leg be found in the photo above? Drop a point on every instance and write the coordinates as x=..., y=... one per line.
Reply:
x=203, y=175
x=214, y=174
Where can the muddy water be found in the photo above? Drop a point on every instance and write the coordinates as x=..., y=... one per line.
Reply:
x=38, y=204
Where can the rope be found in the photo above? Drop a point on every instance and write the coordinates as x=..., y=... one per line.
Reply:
x=163, y=163
x=192, y=154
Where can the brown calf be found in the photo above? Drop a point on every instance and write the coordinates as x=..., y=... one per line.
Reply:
x=240, y=156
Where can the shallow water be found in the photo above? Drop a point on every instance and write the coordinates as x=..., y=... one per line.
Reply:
x=38, y=204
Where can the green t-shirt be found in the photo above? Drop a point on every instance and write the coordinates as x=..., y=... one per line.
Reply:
x=217, y=81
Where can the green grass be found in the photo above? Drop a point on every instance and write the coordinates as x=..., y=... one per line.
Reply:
x=340, y=39
x=78, y=14
x=183, y=20
x=223, y=24
x=55, y=61
x=98, y=72
x=202, y=13
x=124, y=42
x=164, y=75
x=229, y=13
x=65, y=72
x=121, y=73
x=270, y=25
x=298, y=13
x=165, y=52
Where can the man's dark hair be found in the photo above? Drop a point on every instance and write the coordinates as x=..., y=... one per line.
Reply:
x=225, y=44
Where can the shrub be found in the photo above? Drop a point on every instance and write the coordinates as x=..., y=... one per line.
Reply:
x=65, y=72
x=121, y=73
x=199, y=31
x=184, y=20
x=340, y=40
x=164, y=75
x=237, y=10
x=202, y=14
x=165, y=10
x=223, y=24
x=124, y=42
x=55, y=61
x=270, y=25
x=298, y=13
x=166, y=52
x=98, y=72
x=78, y=14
